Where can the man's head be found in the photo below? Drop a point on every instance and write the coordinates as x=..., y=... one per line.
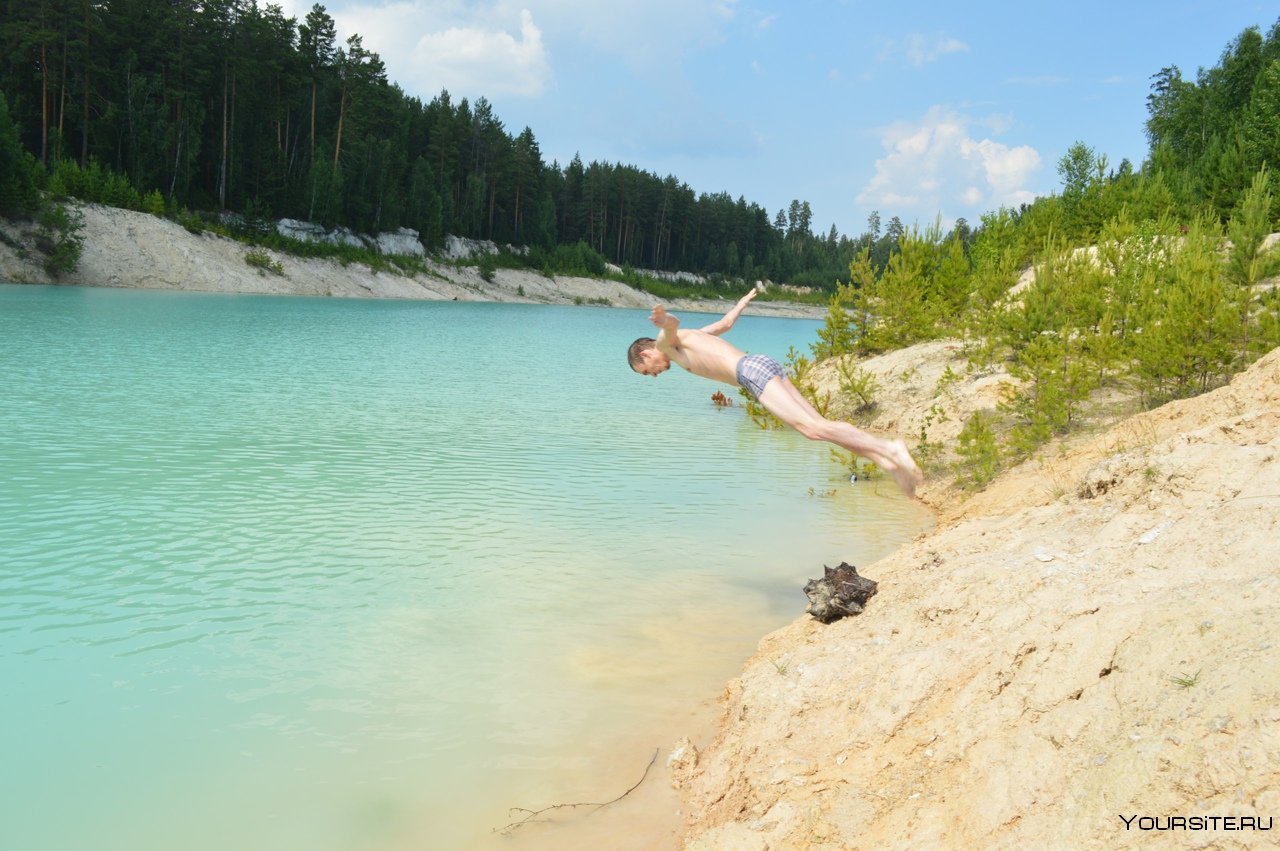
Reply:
x=646, y=359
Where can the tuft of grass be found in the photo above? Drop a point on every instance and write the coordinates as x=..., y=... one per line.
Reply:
x=1185, y=681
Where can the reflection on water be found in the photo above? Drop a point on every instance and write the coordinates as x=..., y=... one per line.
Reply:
x=300, y=573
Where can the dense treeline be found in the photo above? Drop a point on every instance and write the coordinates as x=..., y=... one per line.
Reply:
x=224, y=105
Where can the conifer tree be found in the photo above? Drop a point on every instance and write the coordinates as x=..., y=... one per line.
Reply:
x=17, y=190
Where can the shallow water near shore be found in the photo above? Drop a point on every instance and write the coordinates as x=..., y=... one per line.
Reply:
x=322, y=574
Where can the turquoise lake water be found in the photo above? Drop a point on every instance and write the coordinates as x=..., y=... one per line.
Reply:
x=292, y=573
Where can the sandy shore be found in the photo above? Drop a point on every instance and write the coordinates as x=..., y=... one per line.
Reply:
x=123, y=248
x=1093, y=638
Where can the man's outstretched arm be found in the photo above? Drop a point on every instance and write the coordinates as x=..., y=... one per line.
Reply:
x=668, y=338
x=724, y=323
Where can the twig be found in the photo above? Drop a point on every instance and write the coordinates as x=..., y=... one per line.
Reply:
x=530, y=815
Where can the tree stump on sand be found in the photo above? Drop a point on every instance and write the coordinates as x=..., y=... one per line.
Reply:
x=841, y=591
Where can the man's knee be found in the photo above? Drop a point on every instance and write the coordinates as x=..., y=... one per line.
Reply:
x=812, y=429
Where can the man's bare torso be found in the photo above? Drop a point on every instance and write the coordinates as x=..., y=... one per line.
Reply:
x=706, y=355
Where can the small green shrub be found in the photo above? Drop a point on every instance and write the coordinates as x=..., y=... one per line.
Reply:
x=946, y=381
x=857, y=383
x=1056, y=380
x=59, y=237
x=192, y=222
x=928, y=451
x=978, y=450
x=153, y=203
x=261, y=260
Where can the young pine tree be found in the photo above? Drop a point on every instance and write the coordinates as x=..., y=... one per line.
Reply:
x=1247, y=264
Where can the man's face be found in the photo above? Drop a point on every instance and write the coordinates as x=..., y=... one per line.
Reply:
x=653, y=362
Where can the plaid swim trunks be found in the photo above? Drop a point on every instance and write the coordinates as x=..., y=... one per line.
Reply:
x=755, y=371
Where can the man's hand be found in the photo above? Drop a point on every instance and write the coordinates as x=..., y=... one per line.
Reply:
x=659, y=317
x=725, y=322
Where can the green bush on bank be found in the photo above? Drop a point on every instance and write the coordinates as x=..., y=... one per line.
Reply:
x=59, y=237
x=261, y=260
x=978, y=451
x=94, y=184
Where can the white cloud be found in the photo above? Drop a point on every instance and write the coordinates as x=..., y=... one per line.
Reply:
x=471, y=59
x=469, y=49
x=934, y=166
x=727, y=9
x=920, y=49
x=923, y=49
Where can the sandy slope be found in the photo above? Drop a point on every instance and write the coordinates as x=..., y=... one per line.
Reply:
x=1093, y=636
x=128, y=249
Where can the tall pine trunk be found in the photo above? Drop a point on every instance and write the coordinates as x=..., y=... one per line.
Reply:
x=342, y=114
x=222, y=169
x=313, y=122
x=62, y=97
x=84, y=107
x=493, y=197
x=516, y=218
x=44, y=104
x=84, y=123
x=617, y=248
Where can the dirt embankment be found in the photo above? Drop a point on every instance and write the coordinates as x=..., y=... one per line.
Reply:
x=1094, y=637
x=123, y=248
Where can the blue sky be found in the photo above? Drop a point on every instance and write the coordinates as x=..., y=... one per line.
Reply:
x=918, y=109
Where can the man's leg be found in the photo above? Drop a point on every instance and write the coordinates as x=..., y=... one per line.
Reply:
x=785, y=401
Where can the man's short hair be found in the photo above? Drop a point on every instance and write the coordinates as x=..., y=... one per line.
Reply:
x=640, y=345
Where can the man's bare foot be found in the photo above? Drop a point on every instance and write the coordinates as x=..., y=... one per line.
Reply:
x=904, y=469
